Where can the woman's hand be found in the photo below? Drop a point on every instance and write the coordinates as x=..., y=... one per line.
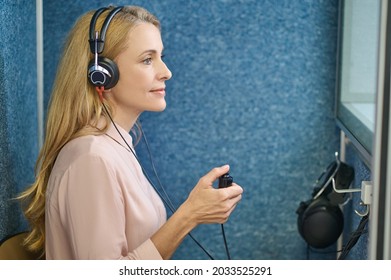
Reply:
x=207, y=204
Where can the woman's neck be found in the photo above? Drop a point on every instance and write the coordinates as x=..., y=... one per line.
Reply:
x=125, y=120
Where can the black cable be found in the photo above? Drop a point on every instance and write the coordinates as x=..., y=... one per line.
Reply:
x=161, y=186
x=354, y=237
x=225, y=242
x=166, y=201
x=172, y=207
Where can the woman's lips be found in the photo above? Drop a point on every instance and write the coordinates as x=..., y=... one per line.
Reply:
x=160, y=91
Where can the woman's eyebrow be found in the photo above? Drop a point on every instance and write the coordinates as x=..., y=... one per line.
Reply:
x=150, y=51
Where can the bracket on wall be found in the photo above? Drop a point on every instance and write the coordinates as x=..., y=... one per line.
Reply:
x=366, y=195
x=366, y=191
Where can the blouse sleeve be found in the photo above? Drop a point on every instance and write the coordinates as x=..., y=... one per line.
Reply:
x=92, y=210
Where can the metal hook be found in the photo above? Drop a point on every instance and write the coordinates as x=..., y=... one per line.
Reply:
x=366, y=212
x=330, y=178
x=348, y=191
x=343, y=190
x=361, y=214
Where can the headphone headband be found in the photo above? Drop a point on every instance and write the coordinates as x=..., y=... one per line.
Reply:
x=102, y=71
x=100, y=41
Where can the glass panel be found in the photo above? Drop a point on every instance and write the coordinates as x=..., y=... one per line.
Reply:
x=358, y=70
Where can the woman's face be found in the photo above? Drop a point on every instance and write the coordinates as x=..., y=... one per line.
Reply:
x=141, y=84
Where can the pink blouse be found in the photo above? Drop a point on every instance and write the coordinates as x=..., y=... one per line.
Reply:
x=99, y=205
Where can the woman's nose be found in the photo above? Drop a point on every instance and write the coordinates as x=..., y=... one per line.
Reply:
x=164, y=72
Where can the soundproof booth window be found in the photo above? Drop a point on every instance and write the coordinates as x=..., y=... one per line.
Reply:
x=359, y=26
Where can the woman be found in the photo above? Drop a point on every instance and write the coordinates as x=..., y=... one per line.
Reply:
x=91, y=199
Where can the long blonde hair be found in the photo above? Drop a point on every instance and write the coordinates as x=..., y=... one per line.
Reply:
x=74, y=106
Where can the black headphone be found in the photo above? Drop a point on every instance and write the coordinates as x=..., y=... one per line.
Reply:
x=320, y=220
x=102, y=71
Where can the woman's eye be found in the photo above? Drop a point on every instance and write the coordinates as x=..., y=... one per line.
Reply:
x=147, y=61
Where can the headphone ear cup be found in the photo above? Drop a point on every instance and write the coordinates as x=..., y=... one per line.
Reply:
x=320, y=223
x=105, y=74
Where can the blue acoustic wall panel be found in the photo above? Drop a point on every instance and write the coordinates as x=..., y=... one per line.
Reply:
x=253, y=86
x=18, y=113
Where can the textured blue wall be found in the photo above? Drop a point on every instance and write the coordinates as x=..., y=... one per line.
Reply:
x=253, y=86
x=18, y=113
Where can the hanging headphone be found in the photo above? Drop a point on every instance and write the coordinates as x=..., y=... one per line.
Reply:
x=320, y=220
x=102, y=71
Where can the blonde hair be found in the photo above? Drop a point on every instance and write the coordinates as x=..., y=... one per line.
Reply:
x=75, y=106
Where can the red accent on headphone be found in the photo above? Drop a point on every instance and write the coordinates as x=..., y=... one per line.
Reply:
x=100, y=91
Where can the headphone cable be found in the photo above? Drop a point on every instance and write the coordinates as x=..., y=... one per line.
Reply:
x=355, y=236
x=161, y=186
x=225, y=242
x=166, y=201
x=171, y=206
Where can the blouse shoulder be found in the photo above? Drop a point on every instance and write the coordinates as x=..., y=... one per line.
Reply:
x=84, y=147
